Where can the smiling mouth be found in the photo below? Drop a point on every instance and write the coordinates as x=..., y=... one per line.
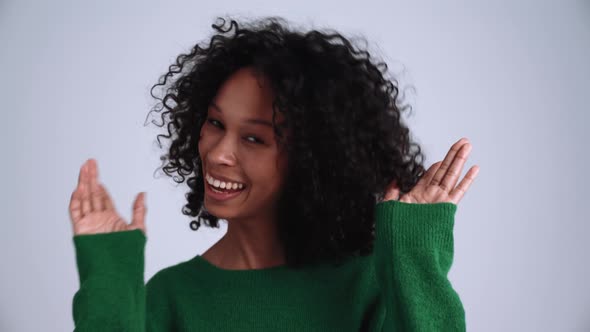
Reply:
x=208, y=177
x=225, y=191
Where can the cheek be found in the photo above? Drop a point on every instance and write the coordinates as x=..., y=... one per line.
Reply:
x=202, y=140
x=202, y=131
x=201, y=146
x=272, y=175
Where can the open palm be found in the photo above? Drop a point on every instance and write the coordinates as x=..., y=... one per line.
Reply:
x=92, y=210
x=439, y=183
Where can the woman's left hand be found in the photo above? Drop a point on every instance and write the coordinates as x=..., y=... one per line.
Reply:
x=439, y=183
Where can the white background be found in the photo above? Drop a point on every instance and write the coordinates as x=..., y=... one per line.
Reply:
x=513, y=77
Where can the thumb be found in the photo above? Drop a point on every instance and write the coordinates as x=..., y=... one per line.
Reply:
x=139, y=209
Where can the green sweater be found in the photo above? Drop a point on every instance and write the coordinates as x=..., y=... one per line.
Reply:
x=401, y=286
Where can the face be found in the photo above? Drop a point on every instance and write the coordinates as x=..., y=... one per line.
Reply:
x=237, y=142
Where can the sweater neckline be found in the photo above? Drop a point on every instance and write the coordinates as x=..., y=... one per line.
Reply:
x=205, y=264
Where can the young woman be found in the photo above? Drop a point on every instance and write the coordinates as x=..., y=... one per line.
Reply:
x=333, y=224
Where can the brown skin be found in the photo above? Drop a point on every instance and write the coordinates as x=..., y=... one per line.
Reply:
x=439, y=183
x=92, y=210
x=229, y=146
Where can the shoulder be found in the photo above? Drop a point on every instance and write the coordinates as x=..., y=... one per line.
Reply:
x=363, y=267
x=168, y=276
x=354, y=271
x=359, y=282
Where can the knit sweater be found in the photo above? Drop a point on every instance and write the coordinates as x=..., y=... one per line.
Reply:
x=401, y=286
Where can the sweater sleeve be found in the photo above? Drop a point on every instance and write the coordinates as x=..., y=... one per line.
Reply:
x=112, y=294
x=413, y=255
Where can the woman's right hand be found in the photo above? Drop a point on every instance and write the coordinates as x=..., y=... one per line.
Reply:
x=92, y=211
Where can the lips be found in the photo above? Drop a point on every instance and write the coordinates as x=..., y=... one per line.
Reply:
x=220, y=178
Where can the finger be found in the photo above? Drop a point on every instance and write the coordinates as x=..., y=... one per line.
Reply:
x=106, y=198
x=427, y=177
x=457, y=194
x=75, y=207
x=85, y=191
x=95, y=195
x=452, y=176
x=392, y=192
x=80, y=175
x=138, y=219
x=446, y=164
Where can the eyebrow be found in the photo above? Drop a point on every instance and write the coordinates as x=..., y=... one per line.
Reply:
x=252, y=121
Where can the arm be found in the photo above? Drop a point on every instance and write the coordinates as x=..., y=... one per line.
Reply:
x=112, y=295
x=413, y=254
x=110, y=260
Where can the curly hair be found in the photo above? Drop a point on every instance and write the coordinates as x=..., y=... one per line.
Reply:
x=348, y=139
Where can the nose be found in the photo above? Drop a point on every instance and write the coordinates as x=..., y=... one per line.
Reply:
x=222, y=152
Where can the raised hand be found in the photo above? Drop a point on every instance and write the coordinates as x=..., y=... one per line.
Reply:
x=439, y=183
x=92, y=211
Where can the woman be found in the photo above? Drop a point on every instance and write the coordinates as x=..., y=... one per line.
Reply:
x=333, y=222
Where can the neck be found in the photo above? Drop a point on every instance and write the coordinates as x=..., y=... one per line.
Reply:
x=248, y=245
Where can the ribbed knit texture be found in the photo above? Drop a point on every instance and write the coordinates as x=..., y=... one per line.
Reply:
x=401, y=286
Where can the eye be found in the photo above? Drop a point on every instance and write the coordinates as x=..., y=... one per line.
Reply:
x=255, y=141
x=213, y=121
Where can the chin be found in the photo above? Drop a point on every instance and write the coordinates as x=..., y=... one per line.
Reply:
x=220, y=211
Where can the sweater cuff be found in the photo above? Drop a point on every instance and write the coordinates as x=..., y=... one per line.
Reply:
x=117, y=254
x=416, y=224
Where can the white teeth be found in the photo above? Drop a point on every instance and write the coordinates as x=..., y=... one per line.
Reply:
x=223, y=185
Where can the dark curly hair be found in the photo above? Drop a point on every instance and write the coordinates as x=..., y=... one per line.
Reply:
x=348, y=139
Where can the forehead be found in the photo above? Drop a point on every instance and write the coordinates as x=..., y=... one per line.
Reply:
x=245, y=93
